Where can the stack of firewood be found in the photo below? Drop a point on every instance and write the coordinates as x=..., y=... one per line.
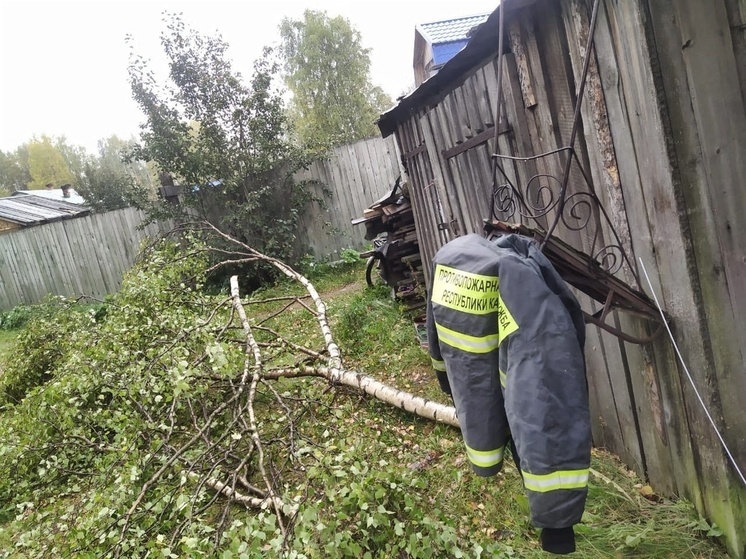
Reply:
x=393, y=215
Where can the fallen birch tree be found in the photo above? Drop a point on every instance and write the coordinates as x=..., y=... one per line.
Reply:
x=250, y=482
x=175, y=409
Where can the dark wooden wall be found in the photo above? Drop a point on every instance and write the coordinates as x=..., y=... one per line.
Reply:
x=664, y=140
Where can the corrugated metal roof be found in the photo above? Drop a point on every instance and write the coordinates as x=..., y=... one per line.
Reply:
x=452, y=29
x=29, y=209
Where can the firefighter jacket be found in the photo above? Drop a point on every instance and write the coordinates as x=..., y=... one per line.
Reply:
x=506, y=340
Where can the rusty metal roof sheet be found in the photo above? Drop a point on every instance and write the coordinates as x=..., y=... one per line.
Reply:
x=29, y=209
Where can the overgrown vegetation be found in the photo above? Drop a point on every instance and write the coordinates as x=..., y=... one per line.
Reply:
x=327, y=69
x=104, y=179
x=227, y=142
x=117, y=425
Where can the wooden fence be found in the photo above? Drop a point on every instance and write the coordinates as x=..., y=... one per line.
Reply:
x=351, y=179
x=73, y=257
x=664, y=136
x=88, y=256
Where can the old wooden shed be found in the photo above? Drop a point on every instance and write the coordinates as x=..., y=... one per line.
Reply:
x=662, y=141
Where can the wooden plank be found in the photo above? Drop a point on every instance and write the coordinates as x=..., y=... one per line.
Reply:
x=95, y=265
x=10, y=293
x=35, y=276
x=552, y=120
x=443, y=234
x=357, y=192
x=660, y=468
x=480, y=138
x=51, y=278
x=451, y=114
x=343, y=182
x=649, y=197
x=429, y=191
x=518, y=48
x=371, y=171
x=482, y=96
x=737, y=21
x=642, y=388
x=444, y=195
x=462, y=165
x=455, y=193
x=104, y=252
x=709, y=125
x=466, y=114
x=515, y=120
x=441, y=138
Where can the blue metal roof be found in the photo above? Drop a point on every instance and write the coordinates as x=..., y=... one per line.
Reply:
x=451, y=30
x=443, y=52
x=29, y=209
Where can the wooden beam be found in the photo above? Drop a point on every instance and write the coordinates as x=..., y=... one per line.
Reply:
x=415, y=151
x=480, y=138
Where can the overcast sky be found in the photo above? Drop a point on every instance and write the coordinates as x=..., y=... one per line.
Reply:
x=63, y=65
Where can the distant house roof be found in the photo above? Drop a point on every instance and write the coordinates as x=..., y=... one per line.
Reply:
x=30, y=209
x=451, y=30
x=481, y=45
x=55, y=194
x=437, y=42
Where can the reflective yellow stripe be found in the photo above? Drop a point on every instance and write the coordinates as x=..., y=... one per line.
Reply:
x=464, y=342
x=464, y=291
x=505, y=321
x=485, y=458
x=561, y=479
x=438, y=364
x=503, y=379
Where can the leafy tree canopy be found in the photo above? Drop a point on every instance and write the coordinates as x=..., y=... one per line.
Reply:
x=111, y=180
x=327, y=69
x=47, y=164
x=225, y=141
x=14, y=172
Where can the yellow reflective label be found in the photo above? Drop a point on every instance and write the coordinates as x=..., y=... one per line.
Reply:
x=561, y=479
x=464, y=291
x=485, y=458
x=505, y=321
x=464, y=342
x=438, y=364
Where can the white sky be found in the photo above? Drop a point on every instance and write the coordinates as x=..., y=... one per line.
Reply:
x=63, y=65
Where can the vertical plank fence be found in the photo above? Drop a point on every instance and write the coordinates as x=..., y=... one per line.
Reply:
x=352, y=178
x=74, y=257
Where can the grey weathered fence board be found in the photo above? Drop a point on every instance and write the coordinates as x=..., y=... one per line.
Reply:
x=356, y=175
x=74, y=257
x=633, y=410
x=709, y=125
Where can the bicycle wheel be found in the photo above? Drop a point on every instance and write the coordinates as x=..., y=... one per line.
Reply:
x=369, y=270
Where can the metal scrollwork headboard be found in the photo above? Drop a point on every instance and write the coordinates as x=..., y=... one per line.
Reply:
x=544, y=201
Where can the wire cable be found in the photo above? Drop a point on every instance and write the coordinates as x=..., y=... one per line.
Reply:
x=689, y=376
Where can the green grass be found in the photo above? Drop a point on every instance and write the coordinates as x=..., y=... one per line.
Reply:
x=368, y=476
x=7, y=340
x=377, y=338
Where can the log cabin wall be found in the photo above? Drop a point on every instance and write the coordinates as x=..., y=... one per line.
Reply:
x=663, y=138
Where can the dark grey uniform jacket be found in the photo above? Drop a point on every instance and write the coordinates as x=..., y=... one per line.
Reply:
x=506, y=338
